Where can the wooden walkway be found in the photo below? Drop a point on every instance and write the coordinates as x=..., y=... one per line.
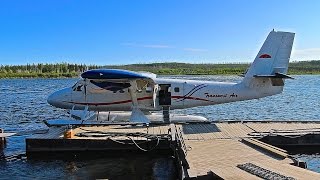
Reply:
x=217, y=147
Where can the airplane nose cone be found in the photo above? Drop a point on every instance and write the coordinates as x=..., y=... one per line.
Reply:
x=59, y=98
x=53, y=99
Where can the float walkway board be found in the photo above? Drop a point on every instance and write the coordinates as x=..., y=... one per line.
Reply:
x=3, y=135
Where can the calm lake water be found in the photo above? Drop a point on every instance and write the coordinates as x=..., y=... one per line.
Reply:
x=23, y=108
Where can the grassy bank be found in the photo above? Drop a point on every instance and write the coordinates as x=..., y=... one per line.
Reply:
x=73, y=70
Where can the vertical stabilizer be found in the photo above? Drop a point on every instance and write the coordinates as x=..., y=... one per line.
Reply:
x=274, y=55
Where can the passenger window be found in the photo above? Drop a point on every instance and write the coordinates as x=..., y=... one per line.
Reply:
x=148, y=89
x=176, y=89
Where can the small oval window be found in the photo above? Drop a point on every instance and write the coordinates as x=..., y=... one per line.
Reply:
x=176, y=89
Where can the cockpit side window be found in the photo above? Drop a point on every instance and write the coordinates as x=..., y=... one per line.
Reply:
x=77, y=87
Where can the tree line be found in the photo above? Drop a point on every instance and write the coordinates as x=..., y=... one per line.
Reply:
x=44, y=70
x=170, y=68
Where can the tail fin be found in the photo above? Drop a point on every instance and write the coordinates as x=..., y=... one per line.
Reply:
x=273, y=57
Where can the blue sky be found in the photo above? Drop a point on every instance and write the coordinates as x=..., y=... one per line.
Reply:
x=142, y=31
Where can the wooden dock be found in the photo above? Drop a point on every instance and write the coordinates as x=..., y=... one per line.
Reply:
x=99, y=138
x=219, y=148
x=226, y=150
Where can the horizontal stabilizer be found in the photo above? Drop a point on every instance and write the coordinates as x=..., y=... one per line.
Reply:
x=276, y=75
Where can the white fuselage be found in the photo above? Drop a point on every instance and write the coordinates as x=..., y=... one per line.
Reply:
x=175, y=93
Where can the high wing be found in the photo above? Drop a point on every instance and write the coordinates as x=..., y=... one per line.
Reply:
x=116, y=74
x=117, y=80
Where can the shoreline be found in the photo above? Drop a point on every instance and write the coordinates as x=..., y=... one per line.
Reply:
x=66, y=70
x=53, y=76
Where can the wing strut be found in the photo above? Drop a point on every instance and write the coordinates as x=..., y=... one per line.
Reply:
x=136, y=115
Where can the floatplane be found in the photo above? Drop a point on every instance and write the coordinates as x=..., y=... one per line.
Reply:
x=116, y=95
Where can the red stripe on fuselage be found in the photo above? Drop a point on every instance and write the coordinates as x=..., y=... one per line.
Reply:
x=139, y=99
x=111, y=103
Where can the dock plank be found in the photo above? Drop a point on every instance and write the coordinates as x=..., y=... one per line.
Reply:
x=53, y=133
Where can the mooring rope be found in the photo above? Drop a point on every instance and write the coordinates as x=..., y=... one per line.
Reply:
x=110, y=135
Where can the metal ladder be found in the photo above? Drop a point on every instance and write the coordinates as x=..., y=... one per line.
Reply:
x=166, y=114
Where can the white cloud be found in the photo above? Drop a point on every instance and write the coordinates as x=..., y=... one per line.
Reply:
x=195, y=50
x=157, y=46
x=306, y=54
x=162, y=46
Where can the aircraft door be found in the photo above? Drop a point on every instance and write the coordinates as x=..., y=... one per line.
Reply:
x=164, y=94
x=178, y=94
